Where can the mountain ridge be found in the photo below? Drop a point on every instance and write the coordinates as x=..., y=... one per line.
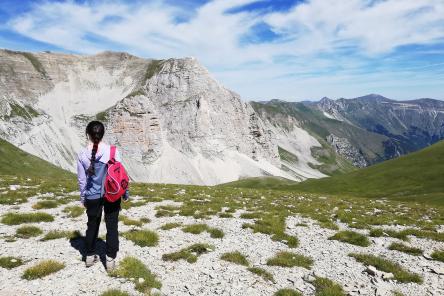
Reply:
x=398, y=127
x=172, y=120
x=176, y=124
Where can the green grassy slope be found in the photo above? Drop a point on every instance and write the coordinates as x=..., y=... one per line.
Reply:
x=416, y=176
x=16, y=162
x=268, y=182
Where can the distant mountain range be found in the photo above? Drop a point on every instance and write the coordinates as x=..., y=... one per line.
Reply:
x=368, y=129
x=177, y=124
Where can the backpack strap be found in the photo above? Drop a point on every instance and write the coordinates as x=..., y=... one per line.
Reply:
x=112, y=154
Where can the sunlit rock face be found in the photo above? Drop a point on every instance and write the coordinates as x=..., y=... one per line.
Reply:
x=172, y=121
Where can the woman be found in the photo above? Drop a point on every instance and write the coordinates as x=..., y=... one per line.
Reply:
x=91, y=172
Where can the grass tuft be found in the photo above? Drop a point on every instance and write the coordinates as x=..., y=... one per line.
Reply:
x=190, y=254
x=262, y=273
x=153, y=68
x=287, y=292
x=400, y=274
x=10, y=262
x=438, y=255
x=169, y=226
x=132, y=268
x=289, y=240
x=166, y=211
x=42, y=269
x=236, y=258
x=225, y=215
x=326, y=287
x=142, y=238
x=130, y=222
x=20, y=218
x=405, y=249
x=74, y=211
x=351, y=237
x=28, y=231
x=274, y=226
x=403, y=234
x=114, y=292
x=56, y=234
x=195, y=228
x=45, y=204
x=216, y=233
x=145, y=220
x=199, y=228
x=288, y=259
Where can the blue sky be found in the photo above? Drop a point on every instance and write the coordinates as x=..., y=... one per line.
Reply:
x=269, y=49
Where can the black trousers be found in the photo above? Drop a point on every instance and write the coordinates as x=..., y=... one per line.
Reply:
x=94, y=211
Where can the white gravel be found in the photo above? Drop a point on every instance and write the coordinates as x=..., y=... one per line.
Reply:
x=210, y=275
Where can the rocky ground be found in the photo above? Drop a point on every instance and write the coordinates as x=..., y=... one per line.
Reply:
x=210, y=275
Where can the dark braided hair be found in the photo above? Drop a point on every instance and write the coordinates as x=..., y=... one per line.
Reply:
x=94, y=131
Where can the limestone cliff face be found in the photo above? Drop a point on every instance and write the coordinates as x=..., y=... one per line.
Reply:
x=181, y=119
x=171, y=119
x=344, y=148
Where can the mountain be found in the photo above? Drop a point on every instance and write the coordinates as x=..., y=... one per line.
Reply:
x=408, y=125
x=173, y=122
x=339, y=140
x=364, y=130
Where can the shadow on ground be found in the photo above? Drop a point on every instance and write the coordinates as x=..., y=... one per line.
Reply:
x=78, y=243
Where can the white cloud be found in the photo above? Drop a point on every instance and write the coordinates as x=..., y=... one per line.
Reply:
x=318, y=35
x=376, y=28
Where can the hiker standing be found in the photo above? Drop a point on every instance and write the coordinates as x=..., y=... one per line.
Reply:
x=92, y=173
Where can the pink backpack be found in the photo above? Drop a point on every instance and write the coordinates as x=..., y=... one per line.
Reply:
x=116, y=179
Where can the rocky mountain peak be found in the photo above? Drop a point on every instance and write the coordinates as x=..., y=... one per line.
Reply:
x=171, y=119
x=372, y=98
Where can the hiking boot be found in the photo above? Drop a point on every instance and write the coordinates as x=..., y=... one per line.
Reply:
x=90, y=260
x=110, y=264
